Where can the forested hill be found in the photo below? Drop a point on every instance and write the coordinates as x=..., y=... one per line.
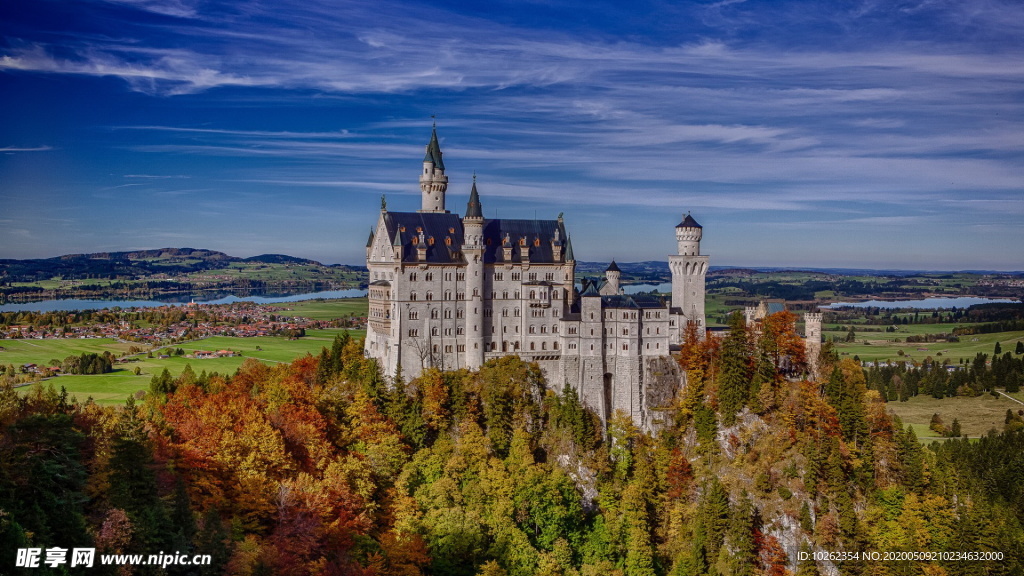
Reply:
x=321, y=467
x=139, y=264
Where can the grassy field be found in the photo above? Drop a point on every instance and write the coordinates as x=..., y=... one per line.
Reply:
x=328, y=309
x=114, y=388
x=873, y=346
x=976, y=415
x=18, y=352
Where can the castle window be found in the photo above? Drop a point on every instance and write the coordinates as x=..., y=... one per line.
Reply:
x=451, y=230
x=460, y=276
x=504, y=295
x=533, y=276
x=536, y=241
x=414, y=332
x=430, y=240
x=543, y=329
x=412, y=276
x=448, y=313
x=554, y=294
x=572, y=345
x=522, y=241
x=516, y=275
x=499, y=276
x=459, y=313
x=533, y=294
x=448, y=349
x=448, y=276
x=412, y=296
x=447, y=331
x=415, y=240
x=460, y=331
x=414, y=314
x=434, y=331
x=572, y=330
x=494, y=346
x=625, y=331
x=433, y=314
x=625, y=346
x=435, y=349
x=555, y=345
x=516, y=312
x=532, y=329
x=430, y=295
x=504, y=312
x=549, y=276
x=554, y=328
x=531, y=346
x=543, y=345
x=462, y=348
x=516, y=296
x=448, y=295
x=429, y=277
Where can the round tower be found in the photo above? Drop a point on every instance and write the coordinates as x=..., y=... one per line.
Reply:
x=688, y=235
x=612, y=275
x=473, y=249
x=689, y=269
x=812, y=342
x=433, y=182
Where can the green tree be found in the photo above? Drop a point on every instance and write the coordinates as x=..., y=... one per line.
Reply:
x=734, y=370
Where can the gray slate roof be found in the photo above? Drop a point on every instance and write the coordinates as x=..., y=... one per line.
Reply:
x=442, y=227
x=688, y=222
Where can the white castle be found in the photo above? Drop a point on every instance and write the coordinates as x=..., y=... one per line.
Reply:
x=451, y=292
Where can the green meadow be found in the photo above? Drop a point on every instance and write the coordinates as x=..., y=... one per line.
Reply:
x=871, y=346
x=327, y=309
x=976, y=415
x=114, y=388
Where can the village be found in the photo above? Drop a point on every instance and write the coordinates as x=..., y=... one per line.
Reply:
x=171, y=324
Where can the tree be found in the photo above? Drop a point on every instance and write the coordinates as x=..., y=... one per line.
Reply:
x=734, y=370
x=1020, y=347
x=998, y=350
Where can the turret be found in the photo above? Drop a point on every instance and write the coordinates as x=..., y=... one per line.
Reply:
x=689, y=269
x=473, y=249
x=688, y=234
x=812, y=342
x=611, y=277
x=433, y=182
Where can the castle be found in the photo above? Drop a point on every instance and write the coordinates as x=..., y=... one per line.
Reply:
x=451, y=292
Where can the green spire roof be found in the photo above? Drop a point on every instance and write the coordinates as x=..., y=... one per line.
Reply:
x=568, y=250
x=434, y=151
x=370, y=241
x=473, y=208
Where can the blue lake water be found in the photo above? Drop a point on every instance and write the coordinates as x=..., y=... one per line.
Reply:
x=926, y=304
x=78, y=304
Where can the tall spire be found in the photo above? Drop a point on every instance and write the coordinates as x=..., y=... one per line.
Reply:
x=433, y=182
x=434, y=150
x=473, y=208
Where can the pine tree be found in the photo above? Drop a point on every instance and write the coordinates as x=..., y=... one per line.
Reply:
x=1020, y=347
x=998, y=350
x=734, y=371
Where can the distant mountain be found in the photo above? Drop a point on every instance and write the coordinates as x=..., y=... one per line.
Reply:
x=136, y=264
x=281, y=259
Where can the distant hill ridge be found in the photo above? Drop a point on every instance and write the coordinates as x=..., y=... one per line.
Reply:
x=138, y=263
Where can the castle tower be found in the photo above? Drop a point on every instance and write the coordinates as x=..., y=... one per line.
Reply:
x=689, y=269
x=433, y=182
x=812, y=343
x=612, y=275
x=473, y=249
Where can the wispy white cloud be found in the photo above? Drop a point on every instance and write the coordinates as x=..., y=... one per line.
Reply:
x=25, y=148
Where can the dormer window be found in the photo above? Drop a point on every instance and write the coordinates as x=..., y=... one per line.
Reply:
x=448, y=241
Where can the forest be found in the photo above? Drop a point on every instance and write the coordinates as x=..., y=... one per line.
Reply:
x=321, y=466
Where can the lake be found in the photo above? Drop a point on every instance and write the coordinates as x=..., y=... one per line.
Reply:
x=925, y=304
x=177, y=300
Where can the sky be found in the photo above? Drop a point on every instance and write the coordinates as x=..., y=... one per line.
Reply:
x=819, y=133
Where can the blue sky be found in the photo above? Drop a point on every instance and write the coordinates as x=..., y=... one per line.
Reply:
x=829, y=133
